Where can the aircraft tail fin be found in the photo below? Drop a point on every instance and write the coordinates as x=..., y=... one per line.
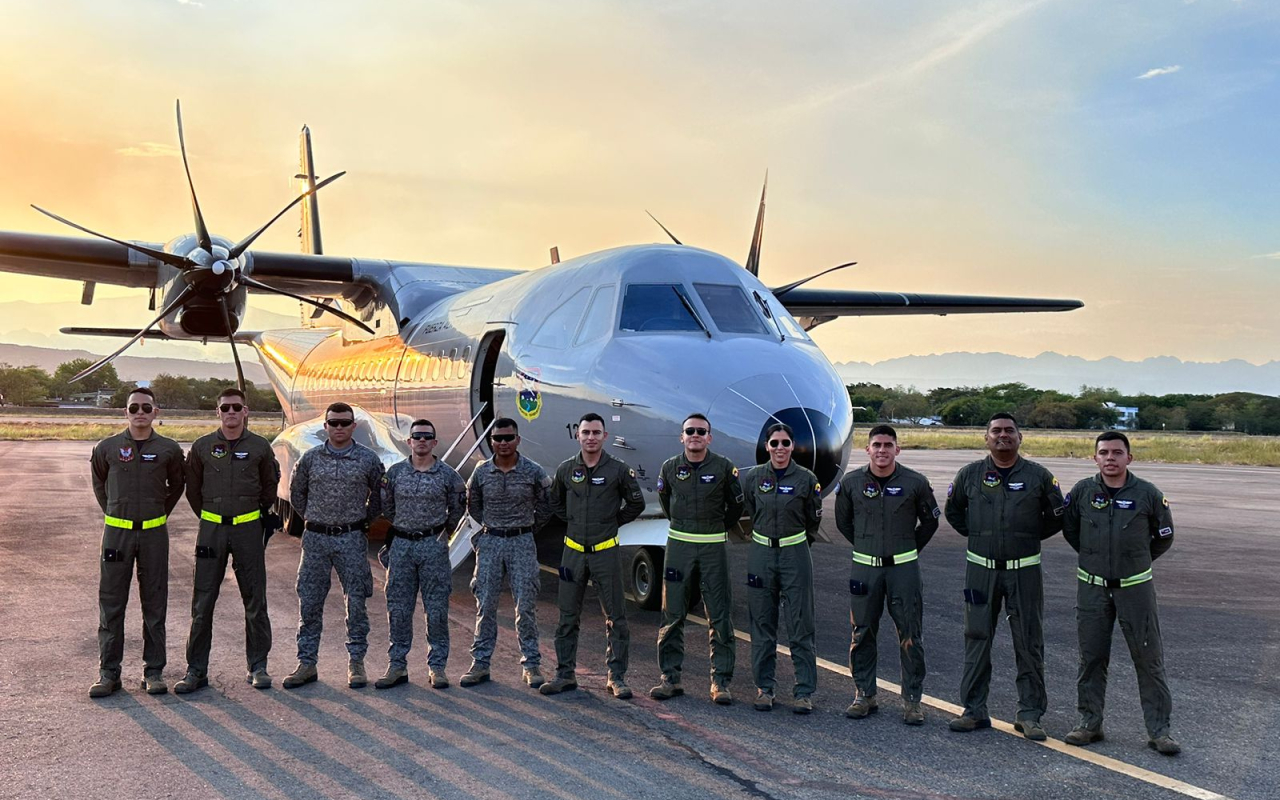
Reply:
x=310, y=231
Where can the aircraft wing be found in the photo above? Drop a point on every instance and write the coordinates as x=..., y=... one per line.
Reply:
x=815, y=306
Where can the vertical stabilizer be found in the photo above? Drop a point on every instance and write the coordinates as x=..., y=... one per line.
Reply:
x=310, y=232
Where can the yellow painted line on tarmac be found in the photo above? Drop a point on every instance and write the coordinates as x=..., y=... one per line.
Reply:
x=1145, y=775
x=1081, y=753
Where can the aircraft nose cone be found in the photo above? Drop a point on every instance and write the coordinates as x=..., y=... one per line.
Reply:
x=819, y=445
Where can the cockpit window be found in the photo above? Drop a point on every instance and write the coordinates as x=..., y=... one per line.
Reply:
x=730, y=309
x=656, y=307
x=599, y=320
x=558, y=329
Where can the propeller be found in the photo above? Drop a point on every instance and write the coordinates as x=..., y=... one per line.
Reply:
x=209, y=272
x=664, y=228
x=753, y=256
x=781, y=290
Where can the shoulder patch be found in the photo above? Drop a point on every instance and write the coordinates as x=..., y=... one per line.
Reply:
x=951, y=488
x=1165, y=533
x=1164, y=500
x=817, y=487
x=631, y=472
x=735, y=472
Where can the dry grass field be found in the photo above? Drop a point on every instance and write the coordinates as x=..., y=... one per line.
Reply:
x=1177, y=448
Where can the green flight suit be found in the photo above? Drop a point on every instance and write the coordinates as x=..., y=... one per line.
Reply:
x=784, y=512
x=1005, y=517
x=1118, y=534
x=137, y=485
x=702, y=499
x=594, y=502
x=232, y=480
x=888, y=521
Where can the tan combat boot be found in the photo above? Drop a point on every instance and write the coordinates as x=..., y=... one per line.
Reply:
x=666, y=690
x=302, y=674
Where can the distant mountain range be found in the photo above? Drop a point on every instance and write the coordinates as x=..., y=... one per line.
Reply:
x=135, y=368
x=36, y=324
x=1161, y=375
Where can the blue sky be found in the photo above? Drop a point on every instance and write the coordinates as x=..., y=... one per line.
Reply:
x=1121, y=153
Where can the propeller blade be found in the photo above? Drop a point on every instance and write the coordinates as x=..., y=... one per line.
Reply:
x=186, y=292
x=753, y=257
x=781, y=290
x=159, y=255
x=202, y=233
x=257, y=284
x=244, y=243
x=231, y=338
x=664, y=228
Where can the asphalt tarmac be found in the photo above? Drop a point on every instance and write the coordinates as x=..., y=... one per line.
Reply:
x=1220, y=611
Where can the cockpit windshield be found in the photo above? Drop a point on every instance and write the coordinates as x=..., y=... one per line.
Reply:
x=730, y=309
x=656, y=307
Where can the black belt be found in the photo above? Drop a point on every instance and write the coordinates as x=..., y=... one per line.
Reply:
x=334, y=530
x=414, y=536
x=507, y=533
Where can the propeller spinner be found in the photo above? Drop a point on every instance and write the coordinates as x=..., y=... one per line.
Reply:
x=210, y=271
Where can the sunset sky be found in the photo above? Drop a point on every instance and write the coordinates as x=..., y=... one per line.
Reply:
x=1126, y=154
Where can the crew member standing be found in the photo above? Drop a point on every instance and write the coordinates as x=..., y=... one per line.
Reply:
x=784, y=502
x=232, y=476
x=1119, y=524
x=888, y=513
x=137, y=479
x=508, y=496
x=595, y=494
x=702, y=498
x=424, y=498
x=1005, y=505
x=336, y=489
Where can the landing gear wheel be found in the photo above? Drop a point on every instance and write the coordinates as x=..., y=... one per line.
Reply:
x=646, y=577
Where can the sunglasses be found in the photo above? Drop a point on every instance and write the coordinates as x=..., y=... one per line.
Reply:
x=780, y=443
x=236, y=407
x=339, y=423
x=695, y=431
x=146, y=408
x=503, y=437
x=423, y=436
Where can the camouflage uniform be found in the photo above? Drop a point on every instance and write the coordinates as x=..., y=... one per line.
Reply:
x=1004, y=516
x=785, y=513
x=230, y=479
x=888, y=521
x=594, y=502
x=1118, y=534
x=333, y=490
x=511, y=506
x=424, y=506
x=137, y=485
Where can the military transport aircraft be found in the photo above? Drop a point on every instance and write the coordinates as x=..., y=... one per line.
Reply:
x=642, y=334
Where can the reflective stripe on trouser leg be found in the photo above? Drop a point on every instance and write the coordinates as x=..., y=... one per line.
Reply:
x=1024, y=604
x=906, y=609
x=1139, y=620
x=796, y=573
x=979, y=629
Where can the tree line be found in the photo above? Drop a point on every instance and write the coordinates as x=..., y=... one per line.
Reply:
x=1243, y=412
x=32, y=386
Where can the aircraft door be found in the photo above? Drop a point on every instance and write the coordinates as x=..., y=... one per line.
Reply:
x=483, y=395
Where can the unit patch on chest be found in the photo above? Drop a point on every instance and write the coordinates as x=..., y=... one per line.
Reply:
x=1099, y=501
x=991, y=479
x=126, y=454
x=579, y=475
x=683, y=473
x=871, y=490
x=219, y=450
